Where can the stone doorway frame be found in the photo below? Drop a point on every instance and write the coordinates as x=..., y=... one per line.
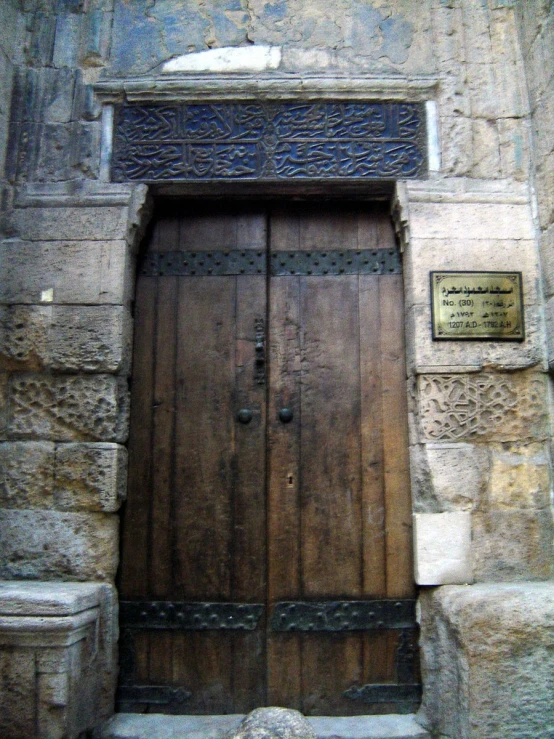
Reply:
x=224, y=88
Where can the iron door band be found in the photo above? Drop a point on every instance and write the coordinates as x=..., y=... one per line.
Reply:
x=231, y=262
x=330, y=616
x=288, y=616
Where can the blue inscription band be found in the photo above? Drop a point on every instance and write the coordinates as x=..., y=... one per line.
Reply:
x=268, y=141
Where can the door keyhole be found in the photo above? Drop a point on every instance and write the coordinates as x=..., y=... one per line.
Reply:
x=290, y=480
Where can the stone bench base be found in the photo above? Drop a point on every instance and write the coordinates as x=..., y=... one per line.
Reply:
x=488, y=660
x=57, y=663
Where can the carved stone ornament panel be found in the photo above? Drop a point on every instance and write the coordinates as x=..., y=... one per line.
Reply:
x=500, y=406
x=268, y=141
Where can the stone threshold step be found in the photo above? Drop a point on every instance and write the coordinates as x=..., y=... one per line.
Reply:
x=157, y=726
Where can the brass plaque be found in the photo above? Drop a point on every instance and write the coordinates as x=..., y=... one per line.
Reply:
x=477, y=305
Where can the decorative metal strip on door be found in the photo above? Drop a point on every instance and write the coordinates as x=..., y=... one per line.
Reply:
x=290, y=616
x=172, y=616
x=269, y=141
x=343, y=615
x=285, y=263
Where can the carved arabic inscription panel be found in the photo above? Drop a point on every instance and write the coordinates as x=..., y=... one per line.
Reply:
x=268, y=141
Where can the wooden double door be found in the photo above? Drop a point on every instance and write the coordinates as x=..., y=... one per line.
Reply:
x=266, y=551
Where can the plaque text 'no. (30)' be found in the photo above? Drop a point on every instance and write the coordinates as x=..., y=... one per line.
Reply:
x=268, y=141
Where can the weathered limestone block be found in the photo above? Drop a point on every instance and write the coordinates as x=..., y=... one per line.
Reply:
x=547, y=257
x=519, y=477
x=75, y=224
x=24, y=336
x=67, y=338
x=3, y=404
x=273, y=723
x=90, y=339
x=73, y=272
x=56, y=658
x=483, y=407
x=455, y=136
x=511, y=545
x=514, y=148
x=39, y=544
x=68, y=408
x=442, y=548
x=497, y=91
x=448, y=476
x=488, y=660
x=26, y=474
x=471, y=221
x=485, y=148
x=90, y=477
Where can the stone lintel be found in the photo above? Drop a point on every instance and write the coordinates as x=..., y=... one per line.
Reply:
x=270, y=87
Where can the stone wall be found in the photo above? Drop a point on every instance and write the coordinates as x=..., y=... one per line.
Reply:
x=536, y=33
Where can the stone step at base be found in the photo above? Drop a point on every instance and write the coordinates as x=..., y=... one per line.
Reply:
x=157, y=726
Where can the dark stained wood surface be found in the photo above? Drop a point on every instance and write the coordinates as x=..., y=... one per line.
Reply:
x=318, y=508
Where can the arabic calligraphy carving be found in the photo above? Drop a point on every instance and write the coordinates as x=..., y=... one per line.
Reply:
x=457, y=406
x=214, y=141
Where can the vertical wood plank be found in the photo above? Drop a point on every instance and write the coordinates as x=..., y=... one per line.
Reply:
x=283, y=650
x=136, y=512
x=330, y=438
x=373, y=504
x=395, y=442
x=160, y=569
x=204, y=437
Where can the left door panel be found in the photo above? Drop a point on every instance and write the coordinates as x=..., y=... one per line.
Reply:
x=194, y=523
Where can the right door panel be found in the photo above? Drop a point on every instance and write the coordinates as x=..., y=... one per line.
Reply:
x=339, y=515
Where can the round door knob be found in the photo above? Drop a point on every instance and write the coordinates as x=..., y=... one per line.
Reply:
x=285, y=415
x=244, y=415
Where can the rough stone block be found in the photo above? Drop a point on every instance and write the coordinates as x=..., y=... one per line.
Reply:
x=24, y=336
x=26, y=474
x=90, y=339
x=545, y=195
x=67, y=408
x=488, y=664
x=66, y=338
x=455, y=138
x=78, y=272
x=49, y=95
x=485, y=149
x=90, y=477
x=442, y=548
x=514, y=148
x=3, y=404
x=469, y=221
x=75, y=224
x=277, y=722
x=17, y=698
x=483, y=407
x=519, y=477
x=448, y=476
x=510, y=545
x=497, y=91
x=53, y=545
x=66, y=45
x=547, y=260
